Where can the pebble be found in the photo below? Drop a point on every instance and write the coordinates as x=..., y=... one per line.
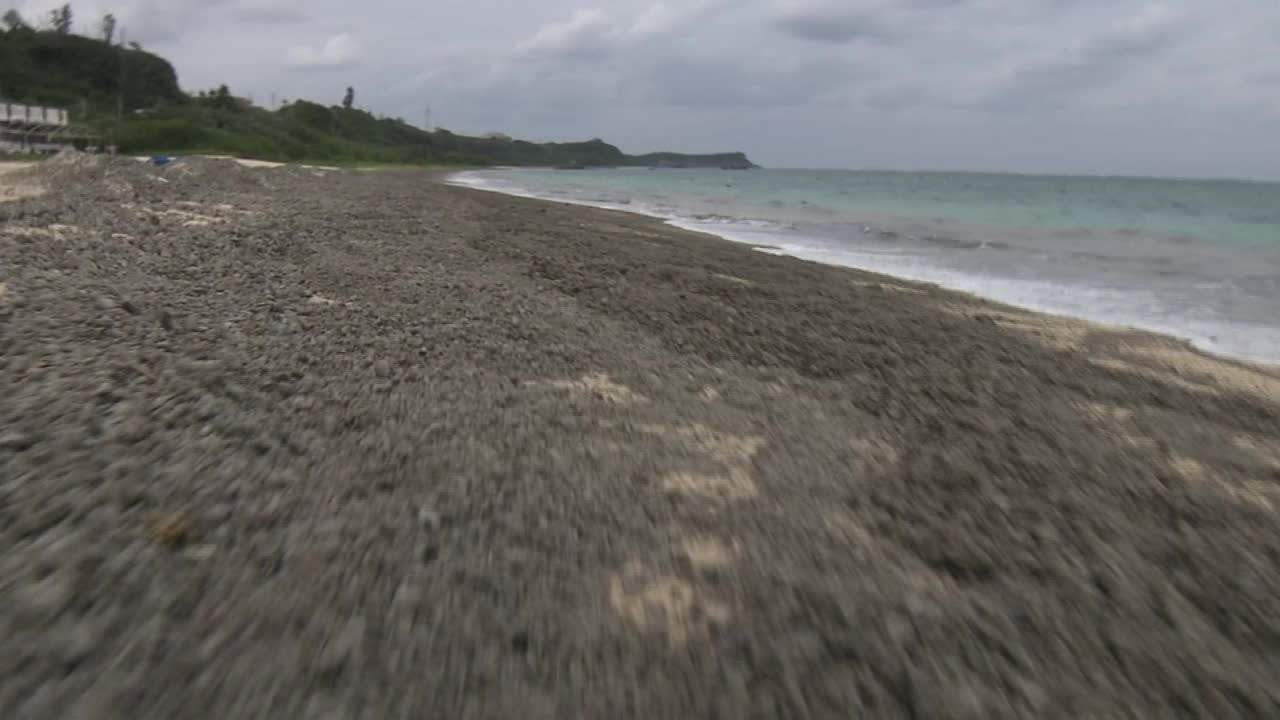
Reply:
x=342, y=648
x=326, y=708
x=200, y=553
x=14, y=440
x=219, y=513
x=77, y=641
x=47, y=598
x=132, y=429
x=406, y=599
x=429, y=519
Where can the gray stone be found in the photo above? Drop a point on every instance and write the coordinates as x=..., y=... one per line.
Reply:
x=342, y=648
x=77, y=641
x=429, y=519
x=47, y=598
x=15, y=440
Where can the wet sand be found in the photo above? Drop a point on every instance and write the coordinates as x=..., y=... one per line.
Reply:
x=291, y=442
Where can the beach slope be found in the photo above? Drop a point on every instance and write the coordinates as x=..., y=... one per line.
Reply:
x=293, y=442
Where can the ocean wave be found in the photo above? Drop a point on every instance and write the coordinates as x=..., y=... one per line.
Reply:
x=603, y=200
x=1134, y=307
x=576, y=196
x=960, y=244
x=937, y=241
x=718, y=219
x=1067, y=272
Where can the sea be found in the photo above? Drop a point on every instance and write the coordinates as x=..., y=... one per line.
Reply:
x=1197, y=259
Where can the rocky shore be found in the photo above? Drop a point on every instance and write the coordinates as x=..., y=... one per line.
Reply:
x=293, y=442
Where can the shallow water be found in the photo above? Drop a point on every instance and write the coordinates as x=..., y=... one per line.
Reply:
x=1195, y=259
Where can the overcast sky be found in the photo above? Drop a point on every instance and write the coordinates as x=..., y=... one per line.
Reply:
x=1183, y=87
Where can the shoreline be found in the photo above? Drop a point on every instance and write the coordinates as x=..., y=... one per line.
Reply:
x=348, y=425
x=1192, y=344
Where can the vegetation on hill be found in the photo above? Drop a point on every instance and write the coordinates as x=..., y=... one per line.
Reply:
x=87, y=75
x=732, y=161
x=133, y=98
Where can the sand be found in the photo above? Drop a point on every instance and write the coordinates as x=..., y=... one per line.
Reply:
x=275, y=444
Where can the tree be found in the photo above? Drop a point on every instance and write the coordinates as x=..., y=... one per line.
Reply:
x=109, y=28
x=350, y=100
x=60, y=19
x=13, y=21
x=222, y=99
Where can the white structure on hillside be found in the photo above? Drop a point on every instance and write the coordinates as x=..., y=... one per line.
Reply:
x=33, y=115
x=36, y=129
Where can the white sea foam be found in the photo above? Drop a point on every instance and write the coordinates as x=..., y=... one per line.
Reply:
x=1036, y=283
x=1128, y=308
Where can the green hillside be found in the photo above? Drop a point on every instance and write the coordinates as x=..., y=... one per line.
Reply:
x=96, y=79
x=82, y=74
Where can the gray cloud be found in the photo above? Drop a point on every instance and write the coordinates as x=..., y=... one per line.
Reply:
x=337, y=52
x=1105, y=58
x=982, y=84
x=844, y=21
x=894, y=98
x=834, y=28
x=145, y=21
x=719, y=83
x=588, y=34
x=267, y=12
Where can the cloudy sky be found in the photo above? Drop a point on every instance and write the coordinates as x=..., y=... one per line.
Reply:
x=1179, y=87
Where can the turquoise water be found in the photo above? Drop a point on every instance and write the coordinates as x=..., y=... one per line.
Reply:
x=1197, y=259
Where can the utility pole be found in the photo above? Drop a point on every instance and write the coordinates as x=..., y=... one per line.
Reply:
x=124, y=56
x=426, y=122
